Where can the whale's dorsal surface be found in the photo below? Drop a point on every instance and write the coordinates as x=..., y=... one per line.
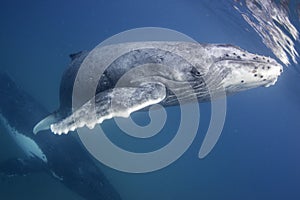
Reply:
x=167, y=67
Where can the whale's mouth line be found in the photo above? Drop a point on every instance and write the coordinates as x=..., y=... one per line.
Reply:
x=247, y=61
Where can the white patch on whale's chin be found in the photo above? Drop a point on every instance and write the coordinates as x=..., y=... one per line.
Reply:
x=29, y=147
x=250, y=76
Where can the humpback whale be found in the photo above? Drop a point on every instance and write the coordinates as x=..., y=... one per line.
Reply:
x=147, y=73
x=63, y=158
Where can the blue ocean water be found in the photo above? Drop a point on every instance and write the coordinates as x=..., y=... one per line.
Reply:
x=257, y=154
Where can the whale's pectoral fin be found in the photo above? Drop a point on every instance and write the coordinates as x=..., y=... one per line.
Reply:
x=117, y=102
x=20, y=167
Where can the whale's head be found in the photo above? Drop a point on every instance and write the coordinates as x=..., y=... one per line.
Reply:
x=240, y=70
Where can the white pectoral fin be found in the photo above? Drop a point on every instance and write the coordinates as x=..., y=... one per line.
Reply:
x=118, y=102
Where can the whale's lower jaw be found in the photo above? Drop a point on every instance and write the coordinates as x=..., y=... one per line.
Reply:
x=246, y=75
x=272, y=82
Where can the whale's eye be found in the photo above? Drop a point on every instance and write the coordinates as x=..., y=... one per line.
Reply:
x=195, y=72
x=242, y=81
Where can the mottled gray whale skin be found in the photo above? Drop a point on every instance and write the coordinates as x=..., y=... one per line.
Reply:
x=63, y=158
x=171, y=72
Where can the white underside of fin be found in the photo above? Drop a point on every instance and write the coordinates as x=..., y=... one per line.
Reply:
x=28, y=146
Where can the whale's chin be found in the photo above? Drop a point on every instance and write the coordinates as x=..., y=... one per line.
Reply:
x=272, y=82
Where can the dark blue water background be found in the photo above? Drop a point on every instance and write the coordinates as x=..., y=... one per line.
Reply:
x=257, y=156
